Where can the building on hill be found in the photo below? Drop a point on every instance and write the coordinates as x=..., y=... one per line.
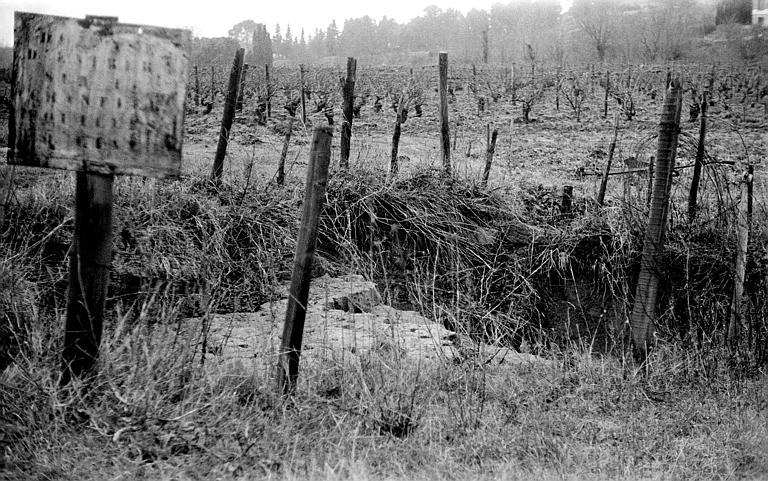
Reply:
x=760, y=12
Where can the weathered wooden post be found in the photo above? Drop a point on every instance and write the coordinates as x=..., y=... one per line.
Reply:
x=740, y=263
x=241, y=94
x=566, y=204
x=607, y=172
x=445, y=135
x=286, y=144
x=393, y=166
x=197, y=88
x=295, y=315
x=699, y=163
x=228, y=116
x=348, y=93
x=303, y=95
x=641, y=320
x=111, y=102
x=489, y=152
x=213, y=86
x=269, y=90
x=607, y=90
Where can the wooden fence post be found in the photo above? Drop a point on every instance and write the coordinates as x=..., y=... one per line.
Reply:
x=740, y=264
x=445, y=136
x=241, y=94
x=213, y=86
x=641, y=320
x=490, y=150
x=284, y=153
x=349, y=101
x=269, y=90
x=303, y=95
x=228, y=116
x=197, y=88
x=393, y=166
x=611, y=150
x=607, y=90
x=89, y=263
x=314, y=196
x=699, y=163
x=566, y=204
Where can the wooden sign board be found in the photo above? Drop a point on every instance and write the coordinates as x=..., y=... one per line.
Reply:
x=97, y=96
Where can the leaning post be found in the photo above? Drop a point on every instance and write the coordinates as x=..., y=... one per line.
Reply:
x=296, y=312
x=228, y=116
x=445, y=135
x=348, y=92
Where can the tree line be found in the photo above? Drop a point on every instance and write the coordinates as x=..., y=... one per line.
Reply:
x=519, y=31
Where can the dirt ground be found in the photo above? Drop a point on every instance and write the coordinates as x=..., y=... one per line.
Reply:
x=552, y=151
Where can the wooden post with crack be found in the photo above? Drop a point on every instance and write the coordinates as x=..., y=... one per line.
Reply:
x=346, y=125
x=228, y=116
x=646, y=293
x=295, y=315
x=445, y=135
x=607, y=172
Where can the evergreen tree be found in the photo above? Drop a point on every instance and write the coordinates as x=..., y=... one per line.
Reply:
x=277, y=40
x=262, y=47
x=302, y=48
x=288, y=44
x=332, y=38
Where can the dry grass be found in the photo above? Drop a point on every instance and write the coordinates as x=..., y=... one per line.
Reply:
x=153, y=413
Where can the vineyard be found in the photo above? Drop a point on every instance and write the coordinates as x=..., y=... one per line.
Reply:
x=531, y=239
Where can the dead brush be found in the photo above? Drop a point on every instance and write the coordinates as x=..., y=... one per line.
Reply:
x=425, y=241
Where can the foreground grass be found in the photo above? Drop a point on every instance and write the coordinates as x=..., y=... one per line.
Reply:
x=154, y=412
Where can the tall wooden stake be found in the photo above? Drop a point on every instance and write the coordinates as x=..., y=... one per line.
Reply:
x=693, y=195
x=284, y=154
x=566, y=204
x=228, y=116
x=303, y=95
x=490, y=150
x=89, y=263
x=607, y=172
x=197, y=88
x=349, y=101
x=314, y=196
x=269, y=90
x=742, y=243
x=445, y=135
x=393, y=166
x=241, y=94
x=213, y=86
x=641, y=320
x=607, y=90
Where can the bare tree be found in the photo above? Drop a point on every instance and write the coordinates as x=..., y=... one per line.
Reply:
x=597, y=19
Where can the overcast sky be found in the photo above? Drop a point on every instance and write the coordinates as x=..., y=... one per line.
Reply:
x=214, y=18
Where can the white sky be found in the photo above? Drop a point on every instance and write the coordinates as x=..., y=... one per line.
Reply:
x=215, y=18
